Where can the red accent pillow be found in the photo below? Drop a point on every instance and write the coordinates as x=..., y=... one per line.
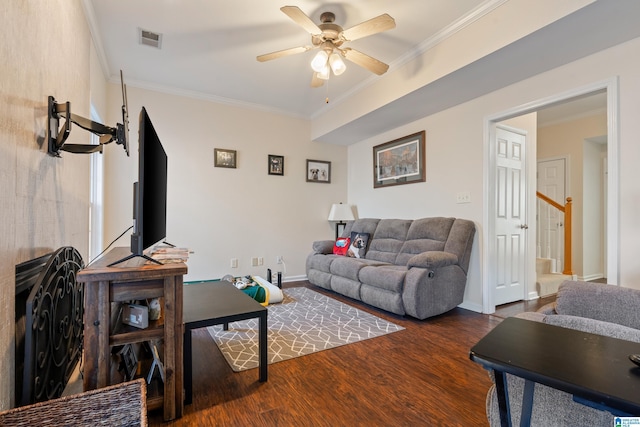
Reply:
x=341, y=246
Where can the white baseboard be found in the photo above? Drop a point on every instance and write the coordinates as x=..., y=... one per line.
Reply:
x=299, y=278
x=591, y=277
x=471, y=306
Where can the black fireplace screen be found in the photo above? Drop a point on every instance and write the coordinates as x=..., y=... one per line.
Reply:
x=49, y=327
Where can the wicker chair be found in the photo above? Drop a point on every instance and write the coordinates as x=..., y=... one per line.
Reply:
x=123, y=404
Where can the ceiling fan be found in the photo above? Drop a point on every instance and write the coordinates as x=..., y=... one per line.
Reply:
x=329, y=38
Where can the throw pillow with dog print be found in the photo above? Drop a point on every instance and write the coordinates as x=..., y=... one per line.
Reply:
x=358, y=246
x=341, y=246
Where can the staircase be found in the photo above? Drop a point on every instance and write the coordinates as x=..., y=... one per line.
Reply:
x=547, y=283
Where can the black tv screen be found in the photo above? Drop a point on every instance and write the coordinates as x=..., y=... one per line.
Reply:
x=150, y=192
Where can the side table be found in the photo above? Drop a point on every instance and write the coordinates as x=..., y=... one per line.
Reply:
x=133, y=280
x=563, y=359
x=209, y=304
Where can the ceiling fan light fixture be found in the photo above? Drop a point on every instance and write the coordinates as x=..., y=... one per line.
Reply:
x=319, y=61
x=337, y=64
x=324, y=73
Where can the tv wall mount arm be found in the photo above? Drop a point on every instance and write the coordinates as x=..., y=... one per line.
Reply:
x=57, y=136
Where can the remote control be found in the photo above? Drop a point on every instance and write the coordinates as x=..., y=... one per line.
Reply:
x=635, y=358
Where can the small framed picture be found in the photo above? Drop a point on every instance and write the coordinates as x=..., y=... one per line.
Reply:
x=318, y=171
x=224, y=158
x=276, y=165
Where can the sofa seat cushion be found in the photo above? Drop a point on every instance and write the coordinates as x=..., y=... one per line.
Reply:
x=346, y=287
x=381, y=298
x=388, y=277
x=321, y=262
x=350, y=267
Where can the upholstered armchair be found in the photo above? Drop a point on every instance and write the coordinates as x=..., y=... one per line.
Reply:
x=589, y=307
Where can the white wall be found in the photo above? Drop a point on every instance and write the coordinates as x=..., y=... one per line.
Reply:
x=455, y=151
x=44, y=201
x=225, y=213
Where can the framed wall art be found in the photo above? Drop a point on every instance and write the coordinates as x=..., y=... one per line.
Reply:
x=224, y=158
x=400, y=161
x=276, y=165
x=318, y=171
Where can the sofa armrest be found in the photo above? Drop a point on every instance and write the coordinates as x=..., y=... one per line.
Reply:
x=534, y=316
x=548, y=308
x=323, y=247
x=432, y=259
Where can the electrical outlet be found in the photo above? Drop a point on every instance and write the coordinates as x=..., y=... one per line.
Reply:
x=463, y=197
x=254, y=262
x=234, y=262
x=279, y=259
x=260, y=261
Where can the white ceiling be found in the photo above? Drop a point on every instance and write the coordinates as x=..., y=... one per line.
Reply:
x=209, y=50
x=209, y=47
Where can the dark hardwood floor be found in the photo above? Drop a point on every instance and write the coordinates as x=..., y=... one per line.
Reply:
x=421, y=376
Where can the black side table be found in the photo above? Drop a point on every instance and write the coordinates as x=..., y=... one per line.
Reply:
x=216, y=303
x=594, y=368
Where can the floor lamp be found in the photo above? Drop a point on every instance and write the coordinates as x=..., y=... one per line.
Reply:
x=340, y=213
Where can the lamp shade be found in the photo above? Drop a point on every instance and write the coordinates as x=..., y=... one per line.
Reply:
x=340, y=212
x=324, y=74
x=319, y=61
x=337, y=64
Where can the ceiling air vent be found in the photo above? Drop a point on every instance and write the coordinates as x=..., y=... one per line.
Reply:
x=149, y=38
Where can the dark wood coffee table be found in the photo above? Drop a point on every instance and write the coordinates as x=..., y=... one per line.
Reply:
x=594, y=368
x=219, y=303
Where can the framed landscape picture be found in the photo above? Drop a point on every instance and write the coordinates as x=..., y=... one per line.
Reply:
x=400, y=161
x=318, y=171
x=224, y=158
x=276, y=165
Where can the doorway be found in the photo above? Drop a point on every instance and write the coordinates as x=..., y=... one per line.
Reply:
x=551, y=180
x=490, y=272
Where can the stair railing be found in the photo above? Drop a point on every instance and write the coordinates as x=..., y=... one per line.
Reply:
x=566, y=210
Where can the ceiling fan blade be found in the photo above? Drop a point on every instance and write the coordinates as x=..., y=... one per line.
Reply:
x=316, y=81
x=375, y=25
x=281, y=53
x=300, y=18
x=365, y=61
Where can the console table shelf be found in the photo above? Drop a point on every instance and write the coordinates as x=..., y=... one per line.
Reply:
x=133, y=280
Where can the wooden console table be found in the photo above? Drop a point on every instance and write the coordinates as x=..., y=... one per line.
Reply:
x=133, y=280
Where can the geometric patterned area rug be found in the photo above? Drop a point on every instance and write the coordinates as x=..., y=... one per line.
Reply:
x=304, y=322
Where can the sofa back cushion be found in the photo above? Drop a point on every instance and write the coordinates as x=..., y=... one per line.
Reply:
x=460, y=241
x=426, y=234
x=362, y=225
x=598, y=301
x=388, y=239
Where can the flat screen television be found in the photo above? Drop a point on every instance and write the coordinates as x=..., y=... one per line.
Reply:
x=150, y=192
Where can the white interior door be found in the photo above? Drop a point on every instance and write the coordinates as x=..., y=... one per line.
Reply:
x=551, y=182
x=511, y=223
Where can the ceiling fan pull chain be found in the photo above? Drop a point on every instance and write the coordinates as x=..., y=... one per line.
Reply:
x=326, y=100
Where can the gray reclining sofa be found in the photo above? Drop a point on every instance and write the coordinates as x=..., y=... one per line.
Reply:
x=415, y=267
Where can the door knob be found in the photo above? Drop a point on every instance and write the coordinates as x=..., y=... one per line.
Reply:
x=524, y=226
